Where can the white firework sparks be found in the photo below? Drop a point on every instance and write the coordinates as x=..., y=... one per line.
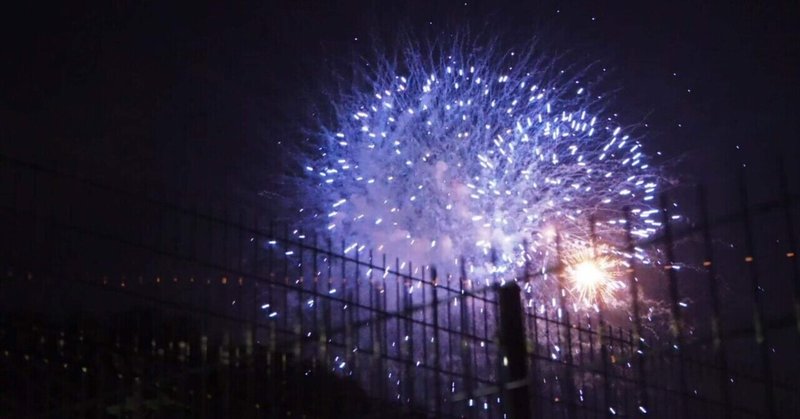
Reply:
x=460, y=150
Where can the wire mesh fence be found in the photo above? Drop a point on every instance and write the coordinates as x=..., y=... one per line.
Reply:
x=128, y=302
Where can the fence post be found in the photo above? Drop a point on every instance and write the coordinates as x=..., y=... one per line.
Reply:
x=383, y=330
x=791, y=251
x=564, y=320
x=601, y=341
x=437, y=362
x=758, y=309
x=408, y=324
x=677, y=318
x=720, y=355
x=464, y=331
x=633, y=282
x=513, y=353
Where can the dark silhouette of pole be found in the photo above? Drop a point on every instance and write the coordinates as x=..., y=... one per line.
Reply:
x=513, y=353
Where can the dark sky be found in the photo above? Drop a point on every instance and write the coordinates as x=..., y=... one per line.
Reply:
x=197, y=96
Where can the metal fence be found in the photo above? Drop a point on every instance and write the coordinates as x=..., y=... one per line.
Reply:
x=130, y=302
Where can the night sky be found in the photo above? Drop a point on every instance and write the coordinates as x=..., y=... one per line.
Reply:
x=202, y=97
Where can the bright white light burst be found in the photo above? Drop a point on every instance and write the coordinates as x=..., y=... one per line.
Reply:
x=592, y=277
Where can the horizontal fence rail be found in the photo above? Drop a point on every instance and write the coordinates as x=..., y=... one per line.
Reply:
x=122, y=303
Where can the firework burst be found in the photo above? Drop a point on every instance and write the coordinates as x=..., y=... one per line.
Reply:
x=460, y=148
x=592, y=276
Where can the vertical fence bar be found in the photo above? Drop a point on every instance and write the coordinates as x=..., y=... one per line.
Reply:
x=424, y=343
x=204, y=349
x=485, y=339
x=299, y=330
x=287, y=329
x=347, y=312
x=325, y=336
x=378, y=339
x=720, y=355
x=408, y=338
x=677, y=318
x=225, y=256
x=245, y=323
x=384, y=330
x=398, y=335
x=240, y=226
x=255, y=385
x=473, y=338
x=288, y=341
x=271, y=307
x=791, y=251
x=466, y=356
x=758, y=305
x=633, y=283
x=513, y=352
x=356, y=311
x=450, y=358
x=639, y=407
x=602, y=345
x=437, y=362
x=373, y=326
x=344, y=327
x=546, y=319
x=569, y=378
x=315, y=301
x=533, y=332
